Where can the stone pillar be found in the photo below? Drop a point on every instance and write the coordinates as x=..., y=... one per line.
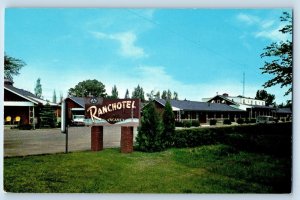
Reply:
x=97, y=138
x=126, y=139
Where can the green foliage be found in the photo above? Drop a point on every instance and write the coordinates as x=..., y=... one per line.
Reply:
x=54, y=97
x=87, y=88
x=187, y=123
x=178, y=123
x=281, y=54
x=195, y=123
x=240, y=121
x=212, y=122
x=114, y=93
x=169, y=124
x=38, y=88
x=127, y=94
x=47, y=117
x=138, y=93
x=227, y=121
x=150, y=131
x=263, y=95
x=12, y=66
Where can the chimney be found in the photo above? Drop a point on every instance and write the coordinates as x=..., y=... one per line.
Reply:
x=225, y=95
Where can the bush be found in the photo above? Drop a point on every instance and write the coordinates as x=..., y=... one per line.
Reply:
x=253, y=120
x=187, y=123
x=195, y=123
x=240, y=121
x=212, y=122
x=178, y=124
x=247, y=121
x=227, y=121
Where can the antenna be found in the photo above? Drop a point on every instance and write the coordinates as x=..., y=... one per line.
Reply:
x=243, y=84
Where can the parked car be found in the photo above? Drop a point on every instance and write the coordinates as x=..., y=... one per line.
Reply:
x=78, y=120
x=265, y=120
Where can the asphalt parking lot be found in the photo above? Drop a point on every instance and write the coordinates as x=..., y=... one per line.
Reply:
x=47, y=141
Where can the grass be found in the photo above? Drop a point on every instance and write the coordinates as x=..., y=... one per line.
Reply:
x=206, y=169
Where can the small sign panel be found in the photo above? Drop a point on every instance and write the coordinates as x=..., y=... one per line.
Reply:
x=111, y=110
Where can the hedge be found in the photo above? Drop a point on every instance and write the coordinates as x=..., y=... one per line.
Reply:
x=265, y=138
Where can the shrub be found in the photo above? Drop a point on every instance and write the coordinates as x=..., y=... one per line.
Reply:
x=247, y=121
x=253, y=120
x=240, y=121
x=227, y=121
x=195, y=123
x=178, y=124
x=187, y=123
x=149, y=136
x=212, y=122
x=169, y=124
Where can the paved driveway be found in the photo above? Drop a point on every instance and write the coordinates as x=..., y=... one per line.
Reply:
x=45, y=141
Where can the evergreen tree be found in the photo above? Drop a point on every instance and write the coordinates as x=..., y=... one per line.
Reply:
x=164, y=95
x=169, y=94
x=47, y=116
x=150, y=95
x=12, y=66
x=175, y=96
x=169, y=124
x=138, y=92
x=54, y=97
x=157, y=95
x=127, y=94
x=114, y=93
x=149, y=136
x=38, y=88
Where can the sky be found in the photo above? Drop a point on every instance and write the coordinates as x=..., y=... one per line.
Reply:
x=196, y=52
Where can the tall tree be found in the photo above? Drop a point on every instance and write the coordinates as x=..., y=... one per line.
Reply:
x=150, y=95
x=114, y=92
x=175, y=95
x=149, y=136
x=12, y=66
x=138, y=92
x=164, y=95
x=88, y=88
x=169, y=124
x=157, y=95
x=281, y=56
x=38, y=88
x=263, y=95
x=54, y=97
x=127, y=94
x=169, y=94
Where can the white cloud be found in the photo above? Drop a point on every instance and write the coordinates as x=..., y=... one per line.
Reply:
x=127, y=40
x=272, y=34
x=248, y=19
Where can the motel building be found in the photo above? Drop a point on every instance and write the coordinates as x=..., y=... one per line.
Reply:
x=22, y=107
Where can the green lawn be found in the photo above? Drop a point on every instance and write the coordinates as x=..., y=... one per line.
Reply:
x=206, y=169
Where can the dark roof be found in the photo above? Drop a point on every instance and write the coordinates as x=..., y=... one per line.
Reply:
x=199, y=106
x=284, y=110
x=79, y=100
x=262, y=107
x=27, y=95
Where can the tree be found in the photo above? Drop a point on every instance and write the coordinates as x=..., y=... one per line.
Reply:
x=54, y=97
x=169, y=124
x=114, y=93
x=169, y=94
x=138, y=92
x=127, y=94
x=149, y=136
x=281, y=54
x=12, y=66
x=47, y=117
x=164, y=95
x=88, y=88
x=150, y=95
x=157, y=95
x=263, y=95
x=38, y=88
x=175, y=95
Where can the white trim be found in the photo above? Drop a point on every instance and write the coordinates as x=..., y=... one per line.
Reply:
x=18, y=103
x=77, y=109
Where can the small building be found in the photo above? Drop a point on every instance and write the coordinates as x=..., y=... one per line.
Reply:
x=202, y=111
x=76, y=107
x=21, y=106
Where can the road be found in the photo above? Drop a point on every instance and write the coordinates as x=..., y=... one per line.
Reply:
x=46, y=141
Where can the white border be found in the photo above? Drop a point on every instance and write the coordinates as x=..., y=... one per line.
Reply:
x=163, y=4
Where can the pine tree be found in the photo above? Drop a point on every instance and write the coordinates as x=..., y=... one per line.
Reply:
x=149, y=136
x=164, y=95
x=138, y=92
x=38, y=88
x=169, y=124
x=54, y=97
x=127, y=94
x=114, y=93
x=47, y=117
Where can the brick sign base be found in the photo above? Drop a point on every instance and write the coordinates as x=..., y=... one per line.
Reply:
x=126, y=142
x=97, y=138
x=126, y=139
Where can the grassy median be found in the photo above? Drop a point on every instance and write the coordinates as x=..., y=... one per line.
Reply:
x=206, y=169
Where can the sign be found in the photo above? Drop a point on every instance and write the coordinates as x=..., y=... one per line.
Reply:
x=111, y=110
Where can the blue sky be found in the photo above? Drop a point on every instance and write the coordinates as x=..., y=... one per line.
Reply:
x=195, y=52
